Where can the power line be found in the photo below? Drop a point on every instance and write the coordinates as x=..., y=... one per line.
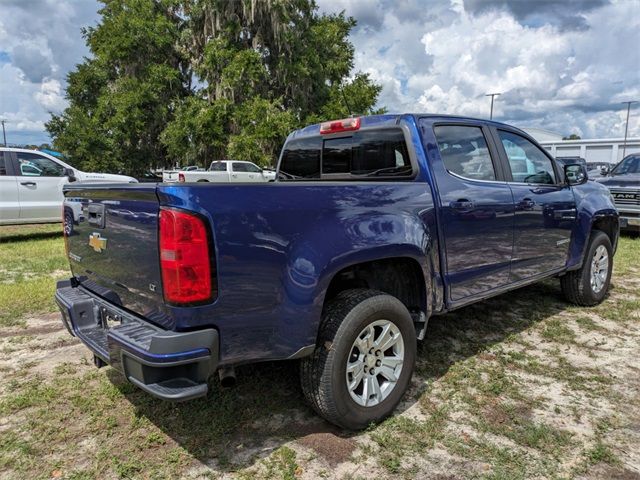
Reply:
x=492, y=95
x=626, y=127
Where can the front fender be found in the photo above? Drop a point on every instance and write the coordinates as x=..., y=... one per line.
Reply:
x=593, y=203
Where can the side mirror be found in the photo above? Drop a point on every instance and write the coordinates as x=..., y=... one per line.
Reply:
x=575, y=174
x=71, y=174
x=604, y=170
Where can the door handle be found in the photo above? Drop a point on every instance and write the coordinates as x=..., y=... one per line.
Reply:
x=461, y=204
x=28, y=184
x=526, y=204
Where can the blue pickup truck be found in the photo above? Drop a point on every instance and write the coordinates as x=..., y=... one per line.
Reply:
x=373, y=225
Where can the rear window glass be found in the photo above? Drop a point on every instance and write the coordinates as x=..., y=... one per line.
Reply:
x=3, y=166
x=301, y=159
x=376, y=153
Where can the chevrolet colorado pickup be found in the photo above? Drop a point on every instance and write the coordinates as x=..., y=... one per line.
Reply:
x=374, y=225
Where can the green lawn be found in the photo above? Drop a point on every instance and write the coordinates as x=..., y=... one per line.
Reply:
x=519, y=386
x=33, y=258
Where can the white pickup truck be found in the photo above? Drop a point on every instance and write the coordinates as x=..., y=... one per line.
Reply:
x=31, y=187
x=228, y=171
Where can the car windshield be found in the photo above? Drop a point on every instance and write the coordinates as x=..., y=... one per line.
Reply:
x=628, y=165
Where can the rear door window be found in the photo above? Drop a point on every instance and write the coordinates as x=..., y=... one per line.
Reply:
x=464, y=152
x=218, y=167
x=3, y=165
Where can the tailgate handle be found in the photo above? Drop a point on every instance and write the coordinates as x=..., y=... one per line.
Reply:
x=96, y=215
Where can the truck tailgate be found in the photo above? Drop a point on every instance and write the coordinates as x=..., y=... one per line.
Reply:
x=113, y=250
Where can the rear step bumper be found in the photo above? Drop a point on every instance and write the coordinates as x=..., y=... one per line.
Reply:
x=169, y=365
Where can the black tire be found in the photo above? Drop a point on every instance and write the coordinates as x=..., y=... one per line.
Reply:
x=68, y=223
x=576, y=285
x=323, y=374
x=202, y=180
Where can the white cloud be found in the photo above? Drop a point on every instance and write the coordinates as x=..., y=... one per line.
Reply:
x=40, y=42
x=566, y=70
x=51, y=96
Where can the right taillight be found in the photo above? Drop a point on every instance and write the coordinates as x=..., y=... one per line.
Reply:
x=185, y=258
x=181, y=177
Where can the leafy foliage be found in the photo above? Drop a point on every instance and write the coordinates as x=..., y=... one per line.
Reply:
x=191, y=81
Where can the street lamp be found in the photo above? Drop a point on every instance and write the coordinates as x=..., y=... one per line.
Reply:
x=626, y=127
x=492, y=95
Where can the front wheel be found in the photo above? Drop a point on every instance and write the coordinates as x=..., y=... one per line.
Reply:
x=588, y=285
x=364, y=359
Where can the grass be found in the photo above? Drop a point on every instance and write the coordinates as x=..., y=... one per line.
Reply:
x=33, y=258
x=518, y=386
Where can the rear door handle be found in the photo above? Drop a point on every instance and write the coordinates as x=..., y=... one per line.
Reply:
x=461, y=204
x=28, y=184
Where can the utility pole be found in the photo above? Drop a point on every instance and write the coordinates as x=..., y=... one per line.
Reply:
x=626, y=127
x=4, y=134
x=492, y=95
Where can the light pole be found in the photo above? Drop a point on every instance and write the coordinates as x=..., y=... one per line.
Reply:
x=626, y=127
x=492, y=95
x=4, y=134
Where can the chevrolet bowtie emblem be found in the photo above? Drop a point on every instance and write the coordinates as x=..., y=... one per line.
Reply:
x=97, y=242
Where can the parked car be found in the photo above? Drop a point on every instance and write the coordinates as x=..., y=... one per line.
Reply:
x=169, y=176
x=374, y=225
x=624, y=183
x=31, y=186
x=228, y=171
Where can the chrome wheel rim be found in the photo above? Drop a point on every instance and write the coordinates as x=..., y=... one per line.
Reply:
x=375, y=363
x=599, y=269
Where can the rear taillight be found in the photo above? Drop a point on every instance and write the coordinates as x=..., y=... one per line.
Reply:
x=181, y=177
x=185, y=258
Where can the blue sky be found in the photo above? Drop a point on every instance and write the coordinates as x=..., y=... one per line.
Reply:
x=564, y=66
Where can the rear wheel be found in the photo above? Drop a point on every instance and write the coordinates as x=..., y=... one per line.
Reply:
x=364, y=360
x=588, y=285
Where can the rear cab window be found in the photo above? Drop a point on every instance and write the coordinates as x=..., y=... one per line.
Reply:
x=377, y=153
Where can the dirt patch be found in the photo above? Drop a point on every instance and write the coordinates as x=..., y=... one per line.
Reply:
x=330, y=447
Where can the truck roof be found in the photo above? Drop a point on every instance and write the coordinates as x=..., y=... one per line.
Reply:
x=368, y=121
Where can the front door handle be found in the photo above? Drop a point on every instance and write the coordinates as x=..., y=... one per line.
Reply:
x=462, y=204
x=526, y=204
x=28, y=184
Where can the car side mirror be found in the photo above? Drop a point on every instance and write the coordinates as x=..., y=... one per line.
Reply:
x=575, y=174
x=70, y=174
x=604, y=170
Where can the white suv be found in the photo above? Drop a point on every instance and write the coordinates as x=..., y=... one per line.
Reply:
x=31, y=186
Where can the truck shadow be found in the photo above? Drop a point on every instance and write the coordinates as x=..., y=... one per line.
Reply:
x=234, y=427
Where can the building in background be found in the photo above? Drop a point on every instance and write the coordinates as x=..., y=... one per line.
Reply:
x=592, y=150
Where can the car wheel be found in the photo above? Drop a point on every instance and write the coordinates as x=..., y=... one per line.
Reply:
x=588, y=285
x=202, y=180
x=363, y=361
x=68, y=223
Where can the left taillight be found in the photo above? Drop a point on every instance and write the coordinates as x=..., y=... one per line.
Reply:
x=186, y=259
